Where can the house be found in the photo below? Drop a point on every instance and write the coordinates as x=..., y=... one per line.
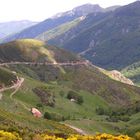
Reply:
x=36, y=113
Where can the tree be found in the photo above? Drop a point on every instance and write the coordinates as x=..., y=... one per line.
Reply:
x=39, y=105
x=80, y=100
x=75, y=96
x=47, y=115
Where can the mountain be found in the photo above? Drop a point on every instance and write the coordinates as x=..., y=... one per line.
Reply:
x=106, y=39
x=82, y=10
x=8, y=28
x=85, y=24
x=65, y=88
x=55, y=21
x=87, y=9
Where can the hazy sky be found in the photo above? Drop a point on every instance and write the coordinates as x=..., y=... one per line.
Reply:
x=38, y=10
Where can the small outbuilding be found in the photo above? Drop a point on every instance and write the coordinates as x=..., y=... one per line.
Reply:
x=36, y=113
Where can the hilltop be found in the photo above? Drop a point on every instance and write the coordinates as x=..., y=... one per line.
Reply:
x=31, y=51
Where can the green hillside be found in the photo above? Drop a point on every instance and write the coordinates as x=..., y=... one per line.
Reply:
x=58, y=30
x=133, y=72
x=31, y=50
x=80, y=95
x=6, y=77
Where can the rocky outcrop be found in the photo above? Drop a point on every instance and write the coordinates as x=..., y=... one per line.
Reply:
x=120, y=77
x=116, y=75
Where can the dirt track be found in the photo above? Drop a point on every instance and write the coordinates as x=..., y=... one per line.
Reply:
x=46, y=63
x=80, y=131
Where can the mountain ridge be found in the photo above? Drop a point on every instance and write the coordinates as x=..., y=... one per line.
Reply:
x=55, y=21
x=105, y=40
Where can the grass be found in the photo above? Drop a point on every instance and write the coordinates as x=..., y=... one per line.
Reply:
x=93, y=126
x=15, y=112
x=25, y=50
x=94, y=95
x=50, y=34
x=6, y=77
x=96, y=89
x=133, y=72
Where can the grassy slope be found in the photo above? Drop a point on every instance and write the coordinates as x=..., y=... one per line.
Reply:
x=6, y=77
x=57, y=30
x=133, y=72
x=24, y=50
x=97, y=90
x=94, y=95
x=32, y=50
x=63, y=106
x=14, y=112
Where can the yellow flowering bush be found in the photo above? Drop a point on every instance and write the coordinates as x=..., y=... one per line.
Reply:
x=137, y=136
x=96, y=137
x=9, y=136
x=15, y=136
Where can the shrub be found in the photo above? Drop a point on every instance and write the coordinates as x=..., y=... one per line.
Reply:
x=80, y=100
x=103, y=136
x=54, y=116
x=71, y=95
x=137, y=136
x=9, y=135
x=47, y=115
x=39, y=105
x=100, y=111
x=75, y=96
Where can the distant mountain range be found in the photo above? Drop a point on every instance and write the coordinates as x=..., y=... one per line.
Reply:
x=57, y=20
x=8, y=28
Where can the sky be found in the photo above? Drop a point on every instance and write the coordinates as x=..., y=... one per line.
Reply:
x=38, y=10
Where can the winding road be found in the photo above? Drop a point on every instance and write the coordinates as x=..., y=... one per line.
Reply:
x=47, y=63
x=20, y=81
x=15, y=86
